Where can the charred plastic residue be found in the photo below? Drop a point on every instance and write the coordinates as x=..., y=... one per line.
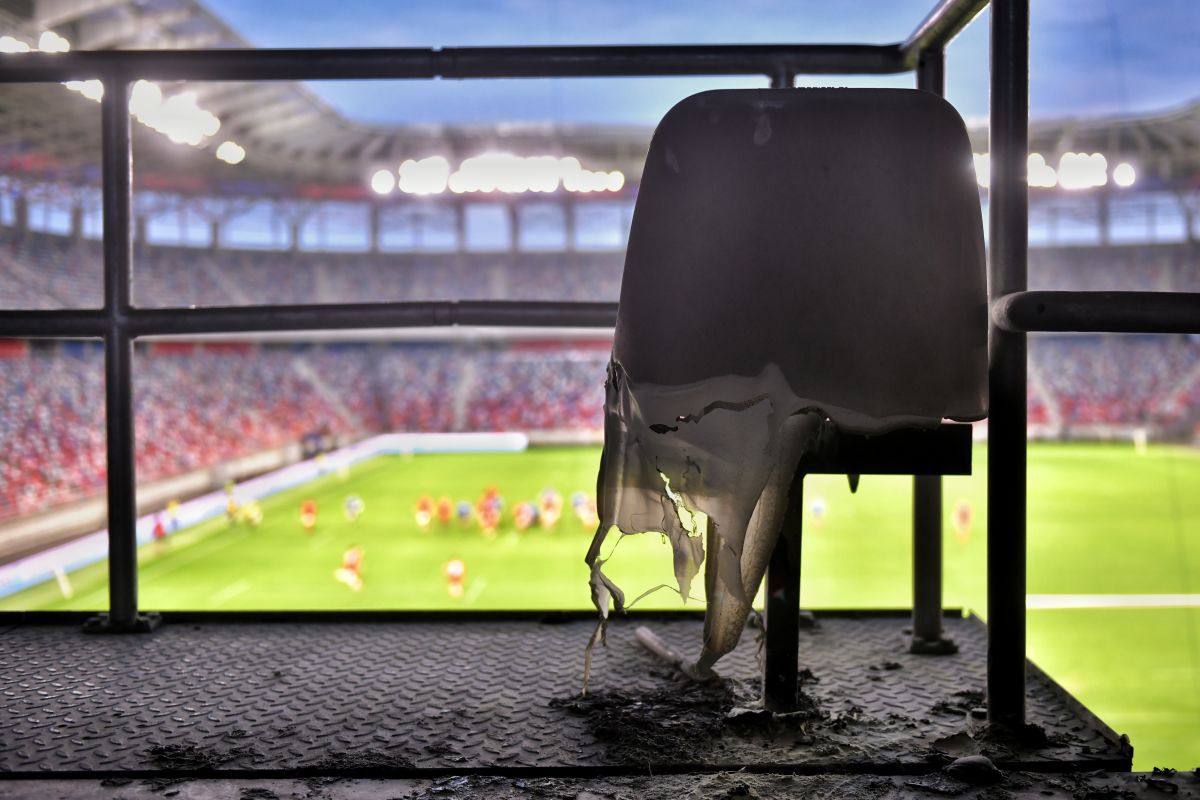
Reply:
x=708, y=466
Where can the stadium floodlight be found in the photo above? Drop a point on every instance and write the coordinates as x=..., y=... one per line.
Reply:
x=92, y=90
x=51, y=42
x=178, y=117
x=983, y=169
x=493, y=172
x=1082, y=171
x=1124, y=175
x=144, y=97
x=383, y=181
x=1040, y=173
x=231, y=152
x=507, y=173
x=577, y=179
x=425, y=176
x=9, y=44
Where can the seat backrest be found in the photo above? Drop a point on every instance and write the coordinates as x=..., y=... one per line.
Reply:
x=834, y=233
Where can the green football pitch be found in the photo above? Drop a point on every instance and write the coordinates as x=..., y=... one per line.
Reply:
x=1104, y=521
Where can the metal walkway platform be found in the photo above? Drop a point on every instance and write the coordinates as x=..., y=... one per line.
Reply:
x=429, y=699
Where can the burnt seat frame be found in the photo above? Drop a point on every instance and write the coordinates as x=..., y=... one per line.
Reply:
x=1014, y=310
x=925, y=454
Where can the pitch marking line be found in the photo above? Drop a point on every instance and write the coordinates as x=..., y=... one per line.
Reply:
x=477, y=587
x=229, y=592
x=1043, y=601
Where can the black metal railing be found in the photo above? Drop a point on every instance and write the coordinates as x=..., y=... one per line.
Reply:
x=1014, y=310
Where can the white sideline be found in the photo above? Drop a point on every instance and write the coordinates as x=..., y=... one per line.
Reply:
x=1044, y=601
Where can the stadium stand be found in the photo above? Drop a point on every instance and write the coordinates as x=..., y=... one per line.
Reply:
x=1127, y=268
x=202, y=404
x=1116, y=380
x=538, y=388
x=51, y=426
x=197, y=405
x=44, y=271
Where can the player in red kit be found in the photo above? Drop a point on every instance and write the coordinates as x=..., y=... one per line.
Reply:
x=445, y=511
x=424, y=512
x=350, y=571
x=963, y=516
x=308, y=515
x=159, y=533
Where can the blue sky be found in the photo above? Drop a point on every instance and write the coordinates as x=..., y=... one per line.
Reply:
x=1088, y=57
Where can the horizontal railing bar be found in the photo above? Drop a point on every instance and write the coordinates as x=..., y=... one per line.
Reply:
x=1098, y=312
x=70, y=323
x=945, y=21
x=452, y=62
x=66, y=323
x=1038, y=311
x=247, y=319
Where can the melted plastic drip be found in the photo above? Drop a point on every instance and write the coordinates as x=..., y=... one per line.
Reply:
x=715, y=483
x=728, y=464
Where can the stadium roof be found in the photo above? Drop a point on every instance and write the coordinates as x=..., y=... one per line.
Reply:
x=296, y=143
x=286, y=129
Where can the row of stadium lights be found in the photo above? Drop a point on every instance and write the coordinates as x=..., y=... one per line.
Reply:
x=177, y=117
x=181, y=120
x=495, y=172
x=1075, y=171
x=511, y=174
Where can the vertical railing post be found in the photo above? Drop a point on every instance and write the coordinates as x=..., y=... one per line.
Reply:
x=781, y=647
x=781, y=650
x=117, y=166
x=1007, y=272
x=927, y=489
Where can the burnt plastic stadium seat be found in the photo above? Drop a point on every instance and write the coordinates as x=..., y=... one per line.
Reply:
x=805, y=268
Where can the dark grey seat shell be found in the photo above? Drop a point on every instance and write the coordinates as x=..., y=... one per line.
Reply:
x=834, y=232
x=799, y=260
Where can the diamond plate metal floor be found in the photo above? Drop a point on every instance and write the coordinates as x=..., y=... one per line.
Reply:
x=718, y=786
x=418, y=698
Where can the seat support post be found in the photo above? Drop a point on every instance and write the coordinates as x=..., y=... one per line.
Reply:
x=927, y=636
x=782, y=648
x=927, y=489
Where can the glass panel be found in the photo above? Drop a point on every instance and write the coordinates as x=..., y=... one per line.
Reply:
x=49, y=214
x=52, y=507
x=263, y=464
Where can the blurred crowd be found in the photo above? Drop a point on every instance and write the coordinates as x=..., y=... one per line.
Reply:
x=198, y=405
x=45, y=271
x=1113, y=380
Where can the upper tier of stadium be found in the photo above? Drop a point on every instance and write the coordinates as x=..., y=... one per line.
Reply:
x=43, y=271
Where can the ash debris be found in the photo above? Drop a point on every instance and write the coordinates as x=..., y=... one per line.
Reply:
x=192, y=757
x=961, y=703
x=672, y=723
x=257, y=793
x=684, y=721
x=362, y=761
x=692, y=786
